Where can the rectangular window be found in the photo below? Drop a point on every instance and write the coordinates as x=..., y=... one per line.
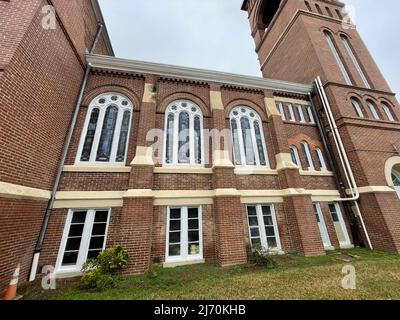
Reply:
x=279, y=105
x=340, y=226
x=300, y=113
x=263, y=229
x=322, y=226
x=184, y=234
x=84, y=238
x=310, y=115
x=291, y=113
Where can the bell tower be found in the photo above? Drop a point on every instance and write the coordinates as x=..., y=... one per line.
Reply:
x=298, y=40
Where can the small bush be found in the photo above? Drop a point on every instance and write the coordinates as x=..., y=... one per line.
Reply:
x=261, y=257
x=153, y=271
x=99, y=273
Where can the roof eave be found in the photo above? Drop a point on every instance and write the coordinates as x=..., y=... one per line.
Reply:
x=100, y=19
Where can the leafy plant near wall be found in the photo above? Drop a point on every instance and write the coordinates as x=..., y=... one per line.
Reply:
x=261, y=257
x=99, y=273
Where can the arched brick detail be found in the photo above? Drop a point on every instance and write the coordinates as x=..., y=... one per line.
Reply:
x=162, y=105
x=92, y=94
x=246, y=103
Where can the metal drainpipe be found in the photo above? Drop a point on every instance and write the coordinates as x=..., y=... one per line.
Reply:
x=348, y=172
x=334, y=165
x=67, y=143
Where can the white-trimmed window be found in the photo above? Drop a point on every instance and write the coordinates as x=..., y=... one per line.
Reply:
x=183, y=134
x=106, y=130
x=321, y=159
x=248, y=138
x=357, y=108
x=339, y=224
x=355, y=61
x=263, y=227
x=373, y=110
x=338, y=59
x=396, y=181
x=322, y=226
x=295, y=156
x=310, y=114
x=84, y=237
x=279, y=105
x=291, y=113
x=388, y=112
x=300, y=112
x=307, y=156
x=184, y=234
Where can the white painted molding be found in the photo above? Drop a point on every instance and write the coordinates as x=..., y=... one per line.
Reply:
x=13, y=191
x=316, y=173
x=141, y=67
x=373, y=189
x=182, y=170
x=97, y=169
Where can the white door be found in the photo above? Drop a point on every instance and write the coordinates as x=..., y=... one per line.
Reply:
x=321, y=225
x=340, y=226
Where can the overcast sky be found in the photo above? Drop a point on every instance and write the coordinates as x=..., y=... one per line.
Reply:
x=214, y=34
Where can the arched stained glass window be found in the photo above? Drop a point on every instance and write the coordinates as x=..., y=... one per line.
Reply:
x=105, y=134
x=183, y=134
x=248, y=138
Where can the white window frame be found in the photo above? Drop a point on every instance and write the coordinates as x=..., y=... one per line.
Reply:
x=358, y=108
x=292, y=116
x=85, y=242
x=324, y=232
x=338, y=59
x=261, y=226
x=253, y=137
x=310, y=115
x=347, y=242
x=388, y=112
x=296, y=156
x=301, y=113
x=396, y=174
x=95, y=104
x=184, y=257
x=281, y=111
x=355, y=61
x=321, y=159
x=308, y=156
x=373, y=110
x=175, y=138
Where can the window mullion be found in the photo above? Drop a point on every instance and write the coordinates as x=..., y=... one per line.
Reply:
x=192, y=157
x=84, y=247
x=175, y=139
x=261, y=227
x=97, y=135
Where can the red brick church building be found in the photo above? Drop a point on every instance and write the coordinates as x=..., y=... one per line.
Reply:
x=182, y=165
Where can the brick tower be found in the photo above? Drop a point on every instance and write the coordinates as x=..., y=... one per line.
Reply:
x=300, y=40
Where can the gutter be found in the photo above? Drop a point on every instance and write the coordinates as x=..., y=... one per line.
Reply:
x=39, y=243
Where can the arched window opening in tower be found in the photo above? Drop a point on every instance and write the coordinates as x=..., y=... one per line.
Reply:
x=183, y=134
x=373, y=110
x=248, y=138
x=268, y=11
x=358, y=108
x=307, y=156
x=388, y=112
x=105, y=134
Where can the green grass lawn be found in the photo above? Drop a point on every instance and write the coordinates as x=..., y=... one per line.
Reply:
x=378, y=277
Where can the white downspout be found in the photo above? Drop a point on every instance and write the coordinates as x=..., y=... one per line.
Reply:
x=348, y=172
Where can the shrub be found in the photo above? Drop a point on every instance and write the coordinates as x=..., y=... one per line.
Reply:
x=99, y=273
x=261, y=257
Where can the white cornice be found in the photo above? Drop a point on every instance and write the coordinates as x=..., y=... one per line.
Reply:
x=141, y=67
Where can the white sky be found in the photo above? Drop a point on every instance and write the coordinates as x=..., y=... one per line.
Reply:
x=214, y=34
